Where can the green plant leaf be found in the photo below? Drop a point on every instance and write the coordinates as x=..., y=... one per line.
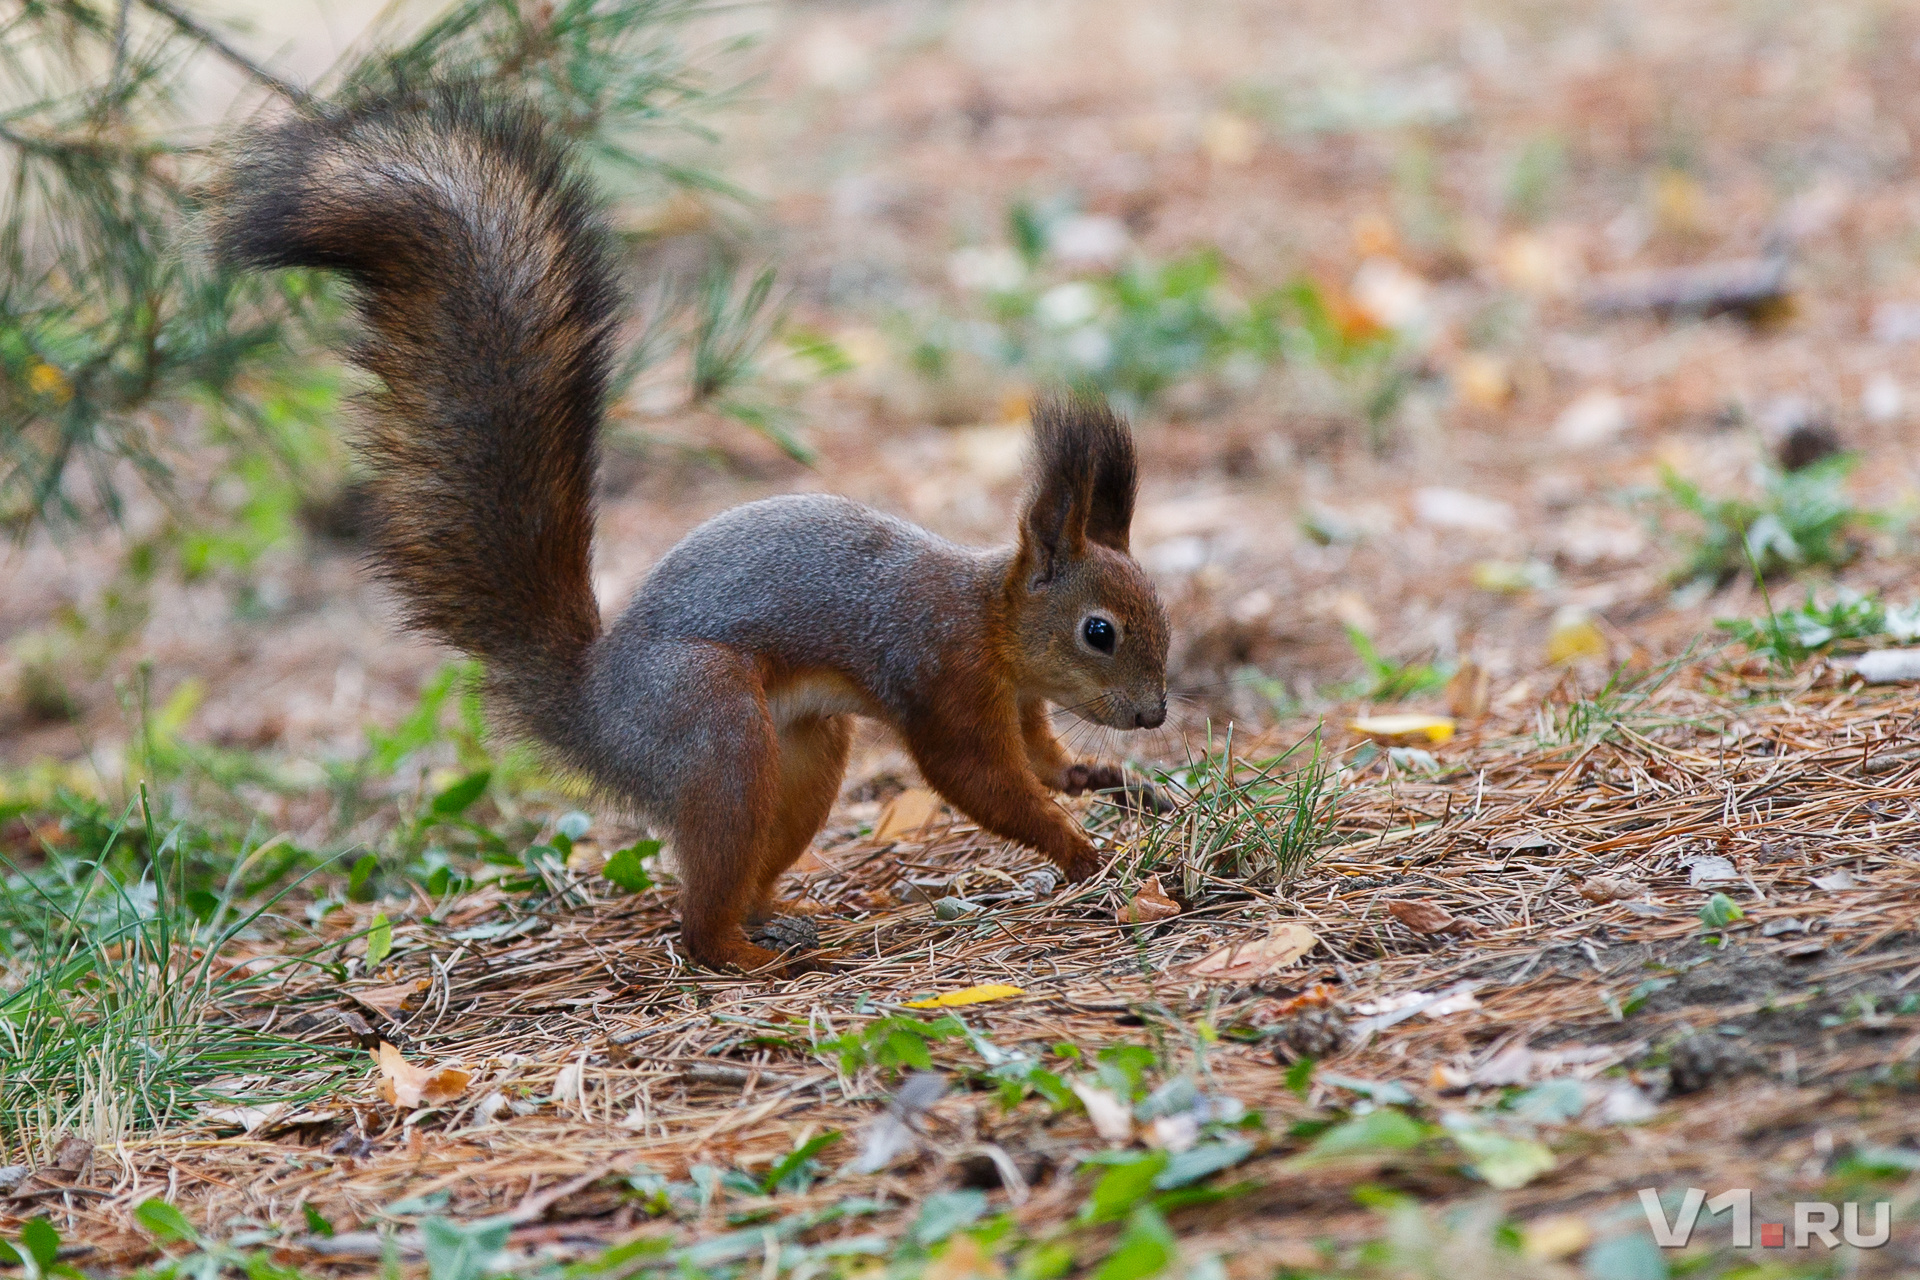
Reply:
x=360, y=879
x=1502, y=1162
x=379, y=940
x=1202, y=1161
x=792, y=1166
x=945, y=1212
x=1144, y=1249
x=1377, y=1132
x=165, y=1222
x=462, y=1250
x=41, y=1242
x=627, y=869
x=1127, y=1182
x=317, y=1223
x=1720, y=911
x=1299, y=1077
x=459, y=797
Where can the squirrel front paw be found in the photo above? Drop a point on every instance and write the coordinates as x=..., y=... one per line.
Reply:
x=1108, y=781
x=1083, y=866
x=1092, y=777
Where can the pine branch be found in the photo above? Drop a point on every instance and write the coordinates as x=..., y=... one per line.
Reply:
x=206, y=36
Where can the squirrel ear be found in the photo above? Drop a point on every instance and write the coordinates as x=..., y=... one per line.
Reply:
x=1116, y=477
x=1053, y=528
x=1084, y=480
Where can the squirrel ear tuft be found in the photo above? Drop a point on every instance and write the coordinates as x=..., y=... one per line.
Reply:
x=1084, y=480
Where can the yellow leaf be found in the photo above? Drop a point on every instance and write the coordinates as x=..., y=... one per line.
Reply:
x=1554, y=1237
x=1229, y=139
x=968, y=995
x=1435, y=729
x=906, y=815
x=1482, y=380
x=1575, y=638
x=45, y=380
x=1247, y=961
x=405, y=1085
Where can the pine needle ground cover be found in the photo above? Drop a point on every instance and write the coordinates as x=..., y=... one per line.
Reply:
x=1675, y=950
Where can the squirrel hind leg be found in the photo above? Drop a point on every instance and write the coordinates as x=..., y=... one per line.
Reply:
x=718, y=777
x=813, y=760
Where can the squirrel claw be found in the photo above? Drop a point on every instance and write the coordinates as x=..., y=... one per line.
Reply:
x=1092, y=777
x=787, y=933
x=1114, y=787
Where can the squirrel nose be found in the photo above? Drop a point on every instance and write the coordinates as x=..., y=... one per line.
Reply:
x=1150, y=719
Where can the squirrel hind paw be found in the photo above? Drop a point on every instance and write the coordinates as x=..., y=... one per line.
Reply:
x=786, y=933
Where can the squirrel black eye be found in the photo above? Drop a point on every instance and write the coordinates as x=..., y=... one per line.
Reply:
x=1100, y=634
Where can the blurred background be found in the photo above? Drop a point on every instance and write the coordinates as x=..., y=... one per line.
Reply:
x=1475, y=349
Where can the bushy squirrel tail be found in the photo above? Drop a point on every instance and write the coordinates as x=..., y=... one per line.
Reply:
x=485, y=279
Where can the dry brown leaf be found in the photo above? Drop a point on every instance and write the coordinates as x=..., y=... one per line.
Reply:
x=72, y=1154
x=1424, y=917
x=388, y=1002
x=1469, y=692
x=906, y=816
x=964, y=1259
x=1149, y=905
x=1610, y=889
x=405, y=1085
x=1317, y=996
x=1112, y=1118
x=1247, y=961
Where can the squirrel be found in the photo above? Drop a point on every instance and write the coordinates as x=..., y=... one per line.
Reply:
x=719, y=705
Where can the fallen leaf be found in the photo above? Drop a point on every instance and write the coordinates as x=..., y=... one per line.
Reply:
x=246, y=1119
x=1710, y=869
x=1888, y=666
x=1482, y=380
x=1388, y=1010
x=1112, y=1118
x=1229, y=138
x=1594, y=419
x=1424, y=917
x=405, y=1085
x=1149, y=905
x=1247, y=961
x=1625, y=1104
x=1456, y=509
x=1837, y=881
x=1317, y=996
x=906, y=816
x=388, y=1002
x=1523, y=842
x=1469, y=692
x=968, y=995
x=587, y=858
x=1435, y=729
x=72, y=1154
x=1610, y=889
x=893, y=1132
x=1552, y=1238
x=964, y=1258
x=1574, y=637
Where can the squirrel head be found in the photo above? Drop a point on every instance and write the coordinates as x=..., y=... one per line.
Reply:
x=1089, y=631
